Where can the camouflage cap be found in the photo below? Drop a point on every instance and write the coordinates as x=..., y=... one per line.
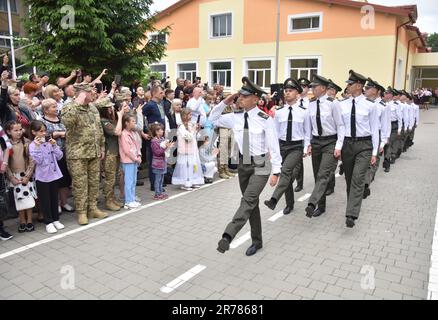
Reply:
x=123, y=94
x=103, y=103
x=82, y=87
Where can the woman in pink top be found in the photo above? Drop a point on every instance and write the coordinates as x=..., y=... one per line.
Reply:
x=130, y=158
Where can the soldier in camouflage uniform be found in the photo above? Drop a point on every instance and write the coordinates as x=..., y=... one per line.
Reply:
x=85, y=147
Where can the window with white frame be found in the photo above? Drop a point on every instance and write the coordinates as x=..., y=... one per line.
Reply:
x=187, y=71
x=220, y=72
x=221, y=25
x=4, y=6
x=161, y=69
x=6, y=43
x=259, y=72
x=303, y=68
x=158, y=37
x=311, y=22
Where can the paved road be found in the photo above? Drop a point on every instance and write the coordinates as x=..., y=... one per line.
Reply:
x=140, y=255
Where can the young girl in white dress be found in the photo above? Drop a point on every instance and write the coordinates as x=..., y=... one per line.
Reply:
x=188, y=170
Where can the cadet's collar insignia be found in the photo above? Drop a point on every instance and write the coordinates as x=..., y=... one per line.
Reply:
x=383, y=103
x=370, y=100
x=395, y=102
x=238, y=111
x=330, y=99
x=302, y=107
x=263, y=115
x=345, y=99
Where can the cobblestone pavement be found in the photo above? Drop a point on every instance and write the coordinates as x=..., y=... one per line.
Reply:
x=139, y=254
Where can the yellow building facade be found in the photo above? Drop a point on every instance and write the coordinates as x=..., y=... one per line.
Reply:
x=223, y=40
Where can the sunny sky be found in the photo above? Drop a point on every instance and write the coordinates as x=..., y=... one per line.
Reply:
x=427, y=11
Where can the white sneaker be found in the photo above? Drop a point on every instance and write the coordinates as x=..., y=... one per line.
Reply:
x=138, y=203
x=186, y=188
x=50, y=228
x=132, y=205
x=196, y=187
x=137, y=199
x=58, y=225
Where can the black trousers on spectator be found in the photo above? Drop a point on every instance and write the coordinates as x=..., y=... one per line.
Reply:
x=48, y=196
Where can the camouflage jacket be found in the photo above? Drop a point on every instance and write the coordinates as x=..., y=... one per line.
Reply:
x=84, y=134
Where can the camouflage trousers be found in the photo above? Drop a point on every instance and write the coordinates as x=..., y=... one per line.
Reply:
x=226, y=142
x=111, y=165
x=85, y=182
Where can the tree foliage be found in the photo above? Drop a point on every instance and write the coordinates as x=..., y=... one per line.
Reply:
x=106, y=34
x=432, y=41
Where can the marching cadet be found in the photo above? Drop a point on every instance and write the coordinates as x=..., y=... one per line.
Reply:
x=396, y=126
x=332, y=91
x=373, y=92
x=293, y=130
x=255, y=135
x=304, y=103
x=406, y=119
x=416, y=110
x=411, y=118
x=328, y=133
x=361, y=143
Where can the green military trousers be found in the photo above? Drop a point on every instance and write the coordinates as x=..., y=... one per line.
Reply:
x=324, y=165
x=356, y=157
x=252, y=181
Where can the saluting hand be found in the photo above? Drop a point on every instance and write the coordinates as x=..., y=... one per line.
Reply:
x=230, y=99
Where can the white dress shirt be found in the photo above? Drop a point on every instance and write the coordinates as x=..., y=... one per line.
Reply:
x=411, y=115
x=384, y=114
x=366, y=119
x=396, y=114
x=197, y=108
x=262, y=135
x=300, y=123
x=416, y=113
x=331, y=119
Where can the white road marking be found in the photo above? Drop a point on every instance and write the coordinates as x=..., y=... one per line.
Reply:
x=276, y=216
x=304, y=198
x=106, y=220
x=180, y=280
x=235, y=243
x=433, y=272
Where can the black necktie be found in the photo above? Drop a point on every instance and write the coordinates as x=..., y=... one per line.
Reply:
x=353, y=120
x=301, y=103
x=318, y=118
x=289, y=126
x=246, y=155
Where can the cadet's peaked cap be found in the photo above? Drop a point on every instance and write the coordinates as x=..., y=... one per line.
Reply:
x=319, y=81
x=250, y=88
x=292, y=84
x=82, y=87
x=390, y=90
x=304, y=82
x=356, y=77
x=404, y=93
x=103, y=103
x=397, y=92
x=334, y=86
x=374, y=84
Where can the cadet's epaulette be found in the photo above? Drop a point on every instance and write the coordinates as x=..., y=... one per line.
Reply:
x=383, y=103
x=238, y=111
x=263, y=115
x=302, y=107
x=370, y=100
x=330, y=99
x=344, y=99
x=279, y=107
x=313, y=99
x=395, y=102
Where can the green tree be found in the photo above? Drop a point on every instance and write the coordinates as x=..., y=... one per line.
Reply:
x=98, y=34
x=432, y=41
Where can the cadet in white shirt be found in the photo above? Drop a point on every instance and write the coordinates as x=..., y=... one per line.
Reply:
x=328, y=133
x=293, y=130
x=361, y=143
x=416, y=111
x=373, y=91
x=406, y=120
x=256, y=137
x=396, y=125
x=411, y=113
x=304, y=103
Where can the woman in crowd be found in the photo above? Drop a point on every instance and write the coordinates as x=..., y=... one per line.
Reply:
x=30, y=101
x=53, y=92
x=46, y=154
x=4, y=158
x=21, y=114
x=188, y=171
x=57, y=131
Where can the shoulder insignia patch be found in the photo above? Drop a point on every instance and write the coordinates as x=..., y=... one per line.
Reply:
x=371, y=100
x=263, y=115
x=330, y=99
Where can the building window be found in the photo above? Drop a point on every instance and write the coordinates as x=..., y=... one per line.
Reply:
x=187, y=71
x=259, y=72
x=161, y=69
x=6, y=43
x=303, y=68
x=4, y=6
x=158, y=37
x=311, y=22
x=221, y=25
x=220, y=72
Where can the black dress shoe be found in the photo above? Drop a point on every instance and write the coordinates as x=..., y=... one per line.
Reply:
x=386, y=170
x=223, y=245
x=349, y=222
x=392, y=161
x=318, y=212
x=139, y=183
x=309, y=211
x=252, y=250
x=366, y=192
x=271, y=203
x=288, y=210
x=298, y=188
x=329, y=192
x=341, y=169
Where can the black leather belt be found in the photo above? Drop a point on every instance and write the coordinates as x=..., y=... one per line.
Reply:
x=368, y=138
x=394, y=122
x=335, y=136
x=252, y=157
x=291, y=143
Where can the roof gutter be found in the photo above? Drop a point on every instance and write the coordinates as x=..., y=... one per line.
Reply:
x=396, y=48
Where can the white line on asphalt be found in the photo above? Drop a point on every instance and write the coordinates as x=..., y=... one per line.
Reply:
x=276, y=216
x=304, y=198
x=433, y=272
x=172, y=285
x=235, y=243
x=91, y=225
